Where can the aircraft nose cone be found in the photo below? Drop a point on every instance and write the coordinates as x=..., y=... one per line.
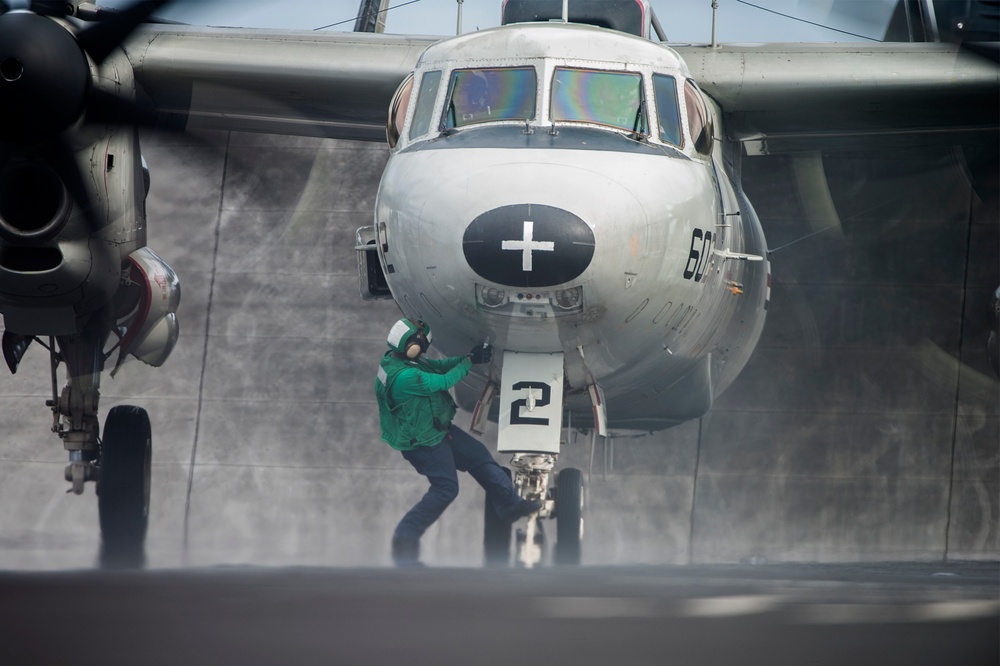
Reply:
x=528, y=245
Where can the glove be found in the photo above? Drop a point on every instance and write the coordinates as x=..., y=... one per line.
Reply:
x=481, y=354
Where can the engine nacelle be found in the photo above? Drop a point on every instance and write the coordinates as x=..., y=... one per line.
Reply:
x=146, y=309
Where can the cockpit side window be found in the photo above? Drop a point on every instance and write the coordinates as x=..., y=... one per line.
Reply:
x=699, y=122
x=665, y=88
x=490, y=95
x=603, y=98
x=422, y=115
x=397, y=111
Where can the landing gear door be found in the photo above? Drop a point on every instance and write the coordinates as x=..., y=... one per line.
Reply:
x=531, y=403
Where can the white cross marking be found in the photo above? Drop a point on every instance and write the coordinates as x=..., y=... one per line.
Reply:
x=527, y=245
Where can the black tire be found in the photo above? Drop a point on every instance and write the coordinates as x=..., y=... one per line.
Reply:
x=123, y=487
x=496, y=536
x=569, y=516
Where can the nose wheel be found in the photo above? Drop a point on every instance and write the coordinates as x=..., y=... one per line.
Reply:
x=496, y=536
x=569, y=517
x=563, y=501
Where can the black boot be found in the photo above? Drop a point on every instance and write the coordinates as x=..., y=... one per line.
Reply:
x=406, y=552
x=522, y=508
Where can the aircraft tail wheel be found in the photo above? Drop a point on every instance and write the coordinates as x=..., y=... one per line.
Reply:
x=496, y=536
x=123, y=486
x=569, y=516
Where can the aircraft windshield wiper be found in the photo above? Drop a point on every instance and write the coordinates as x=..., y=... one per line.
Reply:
x=639, y=118
x=444, y=127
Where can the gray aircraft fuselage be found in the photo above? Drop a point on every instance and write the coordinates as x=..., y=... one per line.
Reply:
x=633, y=253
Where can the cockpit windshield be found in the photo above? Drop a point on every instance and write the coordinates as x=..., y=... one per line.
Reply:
x=600, y=97
x=489, y=95
x=665, y=89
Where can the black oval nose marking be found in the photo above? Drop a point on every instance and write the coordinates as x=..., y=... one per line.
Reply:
x=528, y=245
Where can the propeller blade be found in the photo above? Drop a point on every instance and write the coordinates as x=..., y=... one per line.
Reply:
x=106, y=107
x=988, y=50
x=50, y=7
x=101, y=38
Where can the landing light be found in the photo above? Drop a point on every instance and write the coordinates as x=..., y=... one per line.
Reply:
x=493, y=297
x=568, y=299
x=538, y=304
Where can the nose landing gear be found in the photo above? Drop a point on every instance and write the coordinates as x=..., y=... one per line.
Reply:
x=529, y=427
x=563, y=500
x=496, y=536
x=569, y=516
x=532, y=477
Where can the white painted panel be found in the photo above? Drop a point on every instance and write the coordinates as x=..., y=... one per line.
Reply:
x=531, y=398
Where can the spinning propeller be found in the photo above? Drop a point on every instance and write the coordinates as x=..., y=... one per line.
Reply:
x=46, y=89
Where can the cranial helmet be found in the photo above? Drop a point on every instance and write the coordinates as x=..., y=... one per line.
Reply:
x=409, y=337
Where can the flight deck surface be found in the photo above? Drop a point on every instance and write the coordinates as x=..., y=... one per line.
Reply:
x=871, y=613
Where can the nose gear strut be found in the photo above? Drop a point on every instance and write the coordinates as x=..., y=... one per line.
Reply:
x=530, y=429
x=532, y=479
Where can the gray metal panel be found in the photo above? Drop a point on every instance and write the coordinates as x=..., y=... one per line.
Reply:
x=824, y=91
x=335, y=85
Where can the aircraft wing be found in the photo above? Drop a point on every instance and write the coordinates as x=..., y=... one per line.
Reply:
x=335, y=85
x=777, y=97
x=795, y=97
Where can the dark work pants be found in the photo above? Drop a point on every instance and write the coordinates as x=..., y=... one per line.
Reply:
x=457, y=451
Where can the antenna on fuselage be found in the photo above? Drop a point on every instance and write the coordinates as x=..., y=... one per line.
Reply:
x=565, y=16
x=715, y=11
x=458, y=27
x=371, y=16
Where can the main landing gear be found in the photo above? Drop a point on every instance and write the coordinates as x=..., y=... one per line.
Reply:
x=119, y=463
x=123, y=486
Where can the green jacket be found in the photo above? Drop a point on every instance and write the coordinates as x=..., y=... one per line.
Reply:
x=415, y=408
